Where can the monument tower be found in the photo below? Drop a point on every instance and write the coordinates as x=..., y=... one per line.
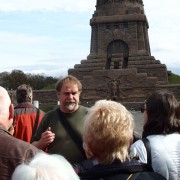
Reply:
x=120, y=65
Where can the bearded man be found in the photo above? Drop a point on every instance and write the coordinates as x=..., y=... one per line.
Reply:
x=53, y=134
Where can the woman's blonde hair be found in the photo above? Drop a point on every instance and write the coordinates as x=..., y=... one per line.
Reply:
x=108, y=131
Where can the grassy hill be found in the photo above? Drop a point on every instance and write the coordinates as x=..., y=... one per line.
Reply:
x=173, y=78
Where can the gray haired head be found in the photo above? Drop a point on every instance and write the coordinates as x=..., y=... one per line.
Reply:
x=24, y=93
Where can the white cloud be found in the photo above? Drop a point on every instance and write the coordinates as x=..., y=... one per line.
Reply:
x=21, y=48
x=39, y=54
x=21, y=39
x=51, y=36
x=46, y=5
x=164, y=27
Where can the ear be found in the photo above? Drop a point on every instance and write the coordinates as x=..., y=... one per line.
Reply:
x=57, y=93
x=11, y=111
x=132, y=140
x=89, y=154
x=87, y=150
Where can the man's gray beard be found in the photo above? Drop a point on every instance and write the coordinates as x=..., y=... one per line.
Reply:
x=71, y=106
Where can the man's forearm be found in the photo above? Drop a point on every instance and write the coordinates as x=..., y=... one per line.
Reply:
x=38, y=144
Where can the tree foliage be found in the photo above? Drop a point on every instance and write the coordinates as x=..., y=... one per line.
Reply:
x=15, y=78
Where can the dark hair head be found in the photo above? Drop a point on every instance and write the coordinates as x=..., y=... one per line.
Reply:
x=24, y=93
x=163, y=114
x=68, y=79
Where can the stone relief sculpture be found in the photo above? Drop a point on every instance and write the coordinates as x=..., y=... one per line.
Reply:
x=116, y=92
x=114, y=88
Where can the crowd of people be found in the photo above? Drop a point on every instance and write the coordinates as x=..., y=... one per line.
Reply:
x=74, y=142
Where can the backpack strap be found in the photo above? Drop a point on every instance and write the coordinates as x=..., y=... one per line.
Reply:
x=148, y=149
x=36, y=121
x=73, y=134
x=146, y=175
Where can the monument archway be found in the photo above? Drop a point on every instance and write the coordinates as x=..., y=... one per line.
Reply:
x=117, y=55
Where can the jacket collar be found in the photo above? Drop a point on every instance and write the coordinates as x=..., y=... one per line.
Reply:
x=25, y=104
x=3, y=130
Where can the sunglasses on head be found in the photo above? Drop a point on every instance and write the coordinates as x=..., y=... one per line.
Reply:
x=142, y=109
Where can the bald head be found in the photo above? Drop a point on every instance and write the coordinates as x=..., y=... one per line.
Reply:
x=6, y=109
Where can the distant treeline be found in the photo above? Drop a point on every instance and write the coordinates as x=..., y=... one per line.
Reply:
x=11, y=80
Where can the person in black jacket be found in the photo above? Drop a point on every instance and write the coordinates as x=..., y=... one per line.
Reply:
x=108, y=134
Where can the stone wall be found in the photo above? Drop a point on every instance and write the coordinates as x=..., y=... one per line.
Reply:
x=44, y=97
x=48, y=97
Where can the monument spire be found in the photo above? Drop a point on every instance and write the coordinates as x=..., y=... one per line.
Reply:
x=121, y=26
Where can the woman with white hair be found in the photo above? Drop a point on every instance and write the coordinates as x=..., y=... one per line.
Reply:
x=45, y=167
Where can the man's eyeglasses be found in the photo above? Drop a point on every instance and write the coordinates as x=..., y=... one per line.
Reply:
x=142, y=109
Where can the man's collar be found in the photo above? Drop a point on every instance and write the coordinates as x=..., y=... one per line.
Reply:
x=4, y=130
x=25, y=104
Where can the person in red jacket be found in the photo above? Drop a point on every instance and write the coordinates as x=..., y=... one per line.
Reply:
x=26, y=116
x=12, y=150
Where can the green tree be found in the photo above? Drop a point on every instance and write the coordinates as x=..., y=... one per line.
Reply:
x=17, y=78
x=4, y=80
x=12, y=80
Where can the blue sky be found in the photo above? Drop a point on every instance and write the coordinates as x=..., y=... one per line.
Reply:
x=51, y=36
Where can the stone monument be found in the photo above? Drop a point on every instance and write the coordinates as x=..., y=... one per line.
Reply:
x=120, y=65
